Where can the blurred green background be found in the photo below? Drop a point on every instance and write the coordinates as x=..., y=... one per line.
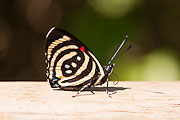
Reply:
x=153, y=27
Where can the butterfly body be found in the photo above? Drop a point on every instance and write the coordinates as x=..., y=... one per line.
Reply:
x=70, y=64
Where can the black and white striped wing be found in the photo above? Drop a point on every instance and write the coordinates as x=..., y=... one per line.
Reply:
x=69, y=62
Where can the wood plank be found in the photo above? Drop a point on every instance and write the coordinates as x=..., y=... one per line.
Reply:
x=133, y=101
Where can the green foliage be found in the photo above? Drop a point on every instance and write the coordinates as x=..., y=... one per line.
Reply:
x=152, y=27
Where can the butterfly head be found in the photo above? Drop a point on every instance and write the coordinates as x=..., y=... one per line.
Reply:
x=108, y=69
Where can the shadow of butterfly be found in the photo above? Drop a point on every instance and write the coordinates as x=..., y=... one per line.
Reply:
x=71, y=65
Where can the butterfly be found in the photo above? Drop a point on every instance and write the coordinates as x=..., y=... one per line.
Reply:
x=71, y=65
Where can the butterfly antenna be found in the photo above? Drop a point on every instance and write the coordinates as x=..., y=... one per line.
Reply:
x=118, y=50
x=123, y=52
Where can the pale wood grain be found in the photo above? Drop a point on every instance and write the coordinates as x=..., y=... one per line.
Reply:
x=133, y=101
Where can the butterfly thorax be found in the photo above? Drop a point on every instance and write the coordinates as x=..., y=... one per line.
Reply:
x=108, y=69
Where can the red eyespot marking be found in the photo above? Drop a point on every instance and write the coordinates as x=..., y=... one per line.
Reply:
x=82, y=49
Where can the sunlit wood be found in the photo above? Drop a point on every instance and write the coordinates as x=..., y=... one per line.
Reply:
x=133, y=101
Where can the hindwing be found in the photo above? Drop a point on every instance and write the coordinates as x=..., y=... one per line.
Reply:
x=69, y=62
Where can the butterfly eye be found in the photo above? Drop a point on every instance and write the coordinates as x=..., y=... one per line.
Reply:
x=78, y=58
x=74, y=64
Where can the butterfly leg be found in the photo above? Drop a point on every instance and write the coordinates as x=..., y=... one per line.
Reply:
x=107, y=89
x=92, y=92
x=80, y=90
x=90, y=86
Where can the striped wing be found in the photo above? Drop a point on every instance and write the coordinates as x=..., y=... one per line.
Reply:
x=69, y=61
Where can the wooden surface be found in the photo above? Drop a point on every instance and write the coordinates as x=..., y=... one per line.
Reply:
x=133, y=101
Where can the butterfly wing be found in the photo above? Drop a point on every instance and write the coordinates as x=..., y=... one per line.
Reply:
x=69, y=62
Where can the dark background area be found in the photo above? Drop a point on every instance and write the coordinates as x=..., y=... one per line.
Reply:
x=153, y=27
